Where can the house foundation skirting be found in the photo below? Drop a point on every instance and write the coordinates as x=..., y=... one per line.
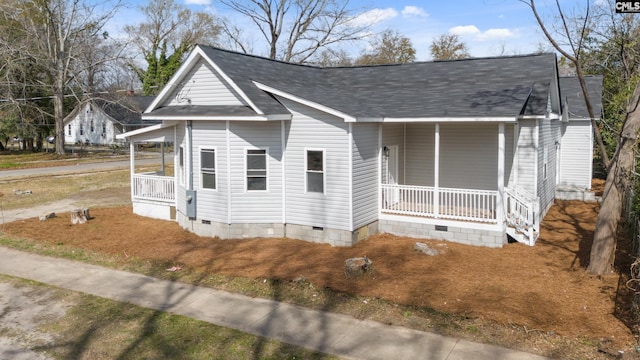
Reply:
x=154, y=210
x=465, y=233
x=314, y=234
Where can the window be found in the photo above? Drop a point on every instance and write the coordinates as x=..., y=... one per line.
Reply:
x=104, y=129
x=92, y=127
x=69, y=129
x=315, y=171
x=208, y=168
x=256, y=170
x=81, y=129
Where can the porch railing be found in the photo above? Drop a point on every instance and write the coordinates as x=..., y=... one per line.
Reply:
x=154, y=188
x=444, y=203
x=522, y=213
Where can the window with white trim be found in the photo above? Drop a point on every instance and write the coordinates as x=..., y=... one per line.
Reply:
x=314, y=163
x=208, y=168
x=69, y=129
x=256, y=169
x=81, y=129
x=92, y=127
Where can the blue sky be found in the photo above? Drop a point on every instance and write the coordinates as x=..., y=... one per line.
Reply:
x=488, y=27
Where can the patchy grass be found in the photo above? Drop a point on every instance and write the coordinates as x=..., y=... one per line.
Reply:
x=50, y=188
x=96, y=328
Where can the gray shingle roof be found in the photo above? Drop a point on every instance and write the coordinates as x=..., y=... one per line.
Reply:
x=570, y=89
x=483, y=87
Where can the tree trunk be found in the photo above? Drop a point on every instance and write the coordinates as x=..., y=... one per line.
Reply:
x=58, y=108
x=619, y=178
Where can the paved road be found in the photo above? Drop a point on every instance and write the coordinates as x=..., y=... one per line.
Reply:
x=79, y=167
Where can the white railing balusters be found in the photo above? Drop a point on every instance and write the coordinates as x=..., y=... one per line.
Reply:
x=445, y=203
x=154, y=188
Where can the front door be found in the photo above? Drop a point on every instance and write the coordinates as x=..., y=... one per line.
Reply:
x=391, y=155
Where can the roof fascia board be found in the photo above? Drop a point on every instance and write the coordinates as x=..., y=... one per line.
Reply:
x=188, y=64
x=314, y=105
x=219, y=118
x=165, y=124
x=438, y=119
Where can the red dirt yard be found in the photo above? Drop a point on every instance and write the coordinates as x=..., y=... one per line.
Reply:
x=544, y=287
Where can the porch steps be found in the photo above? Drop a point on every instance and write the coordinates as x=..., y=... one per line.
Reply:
x=520, y=230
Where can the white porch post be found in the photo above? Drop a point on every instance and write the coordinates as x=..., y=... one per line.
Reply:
x=500, y=200
x=132, y=167
x=162, y=159
x=436, y=174
x=380, y=154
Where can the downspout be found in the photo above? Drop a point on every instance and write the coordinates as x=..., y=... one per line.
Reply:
x=190, y=157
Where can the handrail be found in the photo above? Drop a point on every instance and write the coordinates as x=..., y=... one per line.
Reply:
x=444, y=203
x=153, y=188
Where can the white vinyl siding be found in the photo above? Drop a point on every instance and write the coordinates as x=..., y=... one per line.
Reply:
x=212, y=205
x=203, y=86
x=576, y=150
x=469, y=156
x=420, y=154
x=547, y=138
x=365, y=173
x=255, y=206
x=526, y=157
x=313, y=129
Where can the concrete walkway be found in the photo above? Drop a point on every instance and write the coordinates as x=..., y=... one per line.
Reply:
x=329, y=333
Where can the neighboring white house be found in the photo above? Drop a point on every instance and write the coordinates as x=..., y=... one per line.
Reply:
x=462, y=150
x=576, y=169
x=97, y=121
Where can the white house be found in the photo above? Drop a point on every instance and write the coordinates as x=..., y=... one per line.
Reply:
x=97, y=121
x=575, y=169
x=462, y=150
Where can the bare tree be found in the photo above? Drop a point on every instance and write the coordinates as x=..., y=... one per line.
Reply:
x=52, y=34
x=574, y=32
x=295, y=30
x=390, y=47
x=170, y=32
x=448, y=47
x=332, y=58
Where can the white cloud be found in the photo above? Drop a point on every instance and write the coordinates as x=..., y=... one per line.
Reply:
x=198, y=2
x=374, y=16
x=414, y=11
x=464, y=30
x=493, y=34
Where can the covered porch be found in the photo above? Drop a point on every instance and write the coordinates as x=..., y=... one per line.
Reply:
x=455, y=173
x=153, y=193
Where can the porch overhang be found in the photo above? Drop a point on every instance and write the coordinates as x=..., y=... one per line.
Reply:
x=211, y=113
x=155, y=133
x=499, y=119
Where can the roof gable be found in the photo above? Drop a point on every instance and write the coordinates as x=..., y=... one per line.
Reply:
x=202, y=85
x=481, y=88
